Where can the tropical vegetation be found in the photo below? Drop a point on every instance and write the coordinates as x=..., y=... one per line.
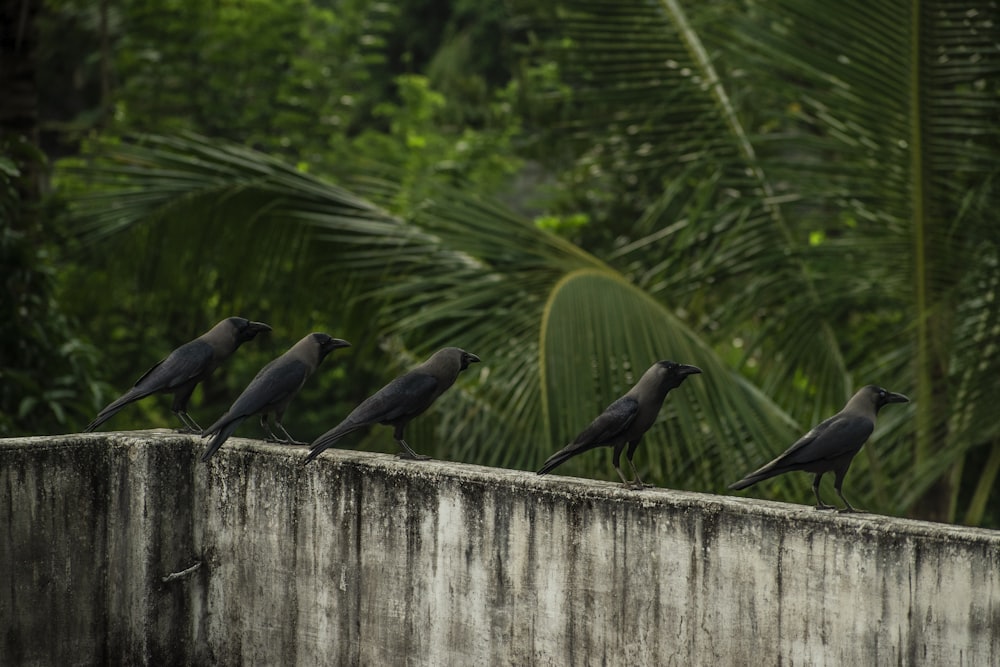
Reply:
x=797, y=196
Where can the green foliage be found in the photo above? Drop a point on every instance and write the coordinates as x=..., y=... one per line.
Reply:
x=301, y=79
x=796, y=194
x=314, y=82
x=564, y=225
x=814, y=176
x=420, y=142
x=274, y=75
x=46, y=367
x=457, y=270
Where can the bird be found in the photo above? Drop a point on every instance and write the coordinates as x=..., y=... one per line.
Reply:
x=181, y=370
x=272, y=389
x=830, y=446
x=627, y=419
x=403, y=399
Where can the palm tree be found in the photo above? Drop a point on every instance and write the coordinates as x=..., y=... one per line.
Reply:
x=793, y=255
x=851, y=232
x=456, y=270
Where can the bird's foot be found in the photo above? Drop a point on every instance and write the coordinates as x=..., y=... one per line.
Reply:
x=824, y=506
x=187, y=430
x=282, y=441
x=637, y=486
x=850, y=510
x=410, y=456
x=190, y=425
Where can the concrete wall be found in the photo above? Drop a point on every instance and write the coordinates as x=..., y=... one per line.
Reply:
x=364, y=559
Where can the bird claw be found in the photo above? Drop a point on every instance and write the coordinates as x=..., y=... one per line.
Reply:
x=850, y=510
x=281, y=441
x=823, y=506
x=637, y=486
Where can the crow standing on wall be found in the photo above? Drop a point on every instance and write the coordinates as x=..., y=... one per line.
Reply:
x=272, y=389
x=625, y=421
x=831, y=445
x=401, y=400
x=181, y=371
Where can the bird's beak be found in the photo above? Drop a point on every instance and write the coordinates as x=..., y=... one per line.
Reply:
x=896, y=398
x=335, y=343
x=684, y=370
x=257, y=327
x=471, y=358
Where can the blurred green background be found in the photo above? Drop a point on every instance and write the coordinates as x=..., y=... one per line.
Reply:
x=798, y=196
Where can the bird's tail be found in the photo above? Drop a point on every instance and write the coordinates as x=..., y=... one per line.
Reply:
x=114, y=407
x=222, y=432
x=218, y=425
x=757, y=476
x=324, y=441
x=558, y=458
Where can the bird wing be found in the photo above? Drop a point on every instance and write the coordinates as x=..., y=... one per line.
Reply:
x=610, y=424
x=276, y=383
x=840, y=434
x=609, y=427
x=273, y=385
x=179, y=367
x=832, y=438
x=406, y=396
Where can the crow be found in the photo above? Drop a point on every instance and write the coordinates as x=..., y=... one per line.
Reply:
x=398, y=402
x=181, y=371
x=831, y=445
x=625, y=421
x=272, y=389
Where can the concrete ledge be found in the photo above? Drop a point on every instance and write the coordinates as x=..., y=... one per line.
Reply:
x=123, y=548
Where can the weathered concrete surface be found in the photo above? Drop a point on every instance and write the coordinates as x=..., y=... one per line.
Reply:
x=364, y=559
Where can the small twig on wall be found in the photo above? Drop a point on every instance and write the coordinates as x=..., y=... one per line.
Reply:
x=173, y=576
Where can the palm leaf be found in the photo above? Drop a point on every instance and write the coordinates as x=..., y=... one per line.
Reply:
x=650, y=108
x=810, y=187
x=458, y=270
x=845, y=237
x=909, y=112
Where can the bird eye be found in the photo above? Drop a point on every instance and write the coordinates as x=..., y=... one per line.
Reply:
x=881, y=393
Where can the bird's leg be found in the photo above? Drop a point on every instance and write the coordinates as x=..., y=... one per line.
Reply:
x=616, y=460
x=271, y=436
x=637, y=482
x=266, y=425
x=186, y=428
x=848, y=508
x=179, y=408
x=408, y=453
x=627, y=484
x=820, y=505
x=190, y=425
x=290, y=440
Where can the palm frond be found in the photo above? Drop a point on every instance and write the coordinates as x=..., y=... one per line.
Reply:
x=457, y=270
x=870, y=129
